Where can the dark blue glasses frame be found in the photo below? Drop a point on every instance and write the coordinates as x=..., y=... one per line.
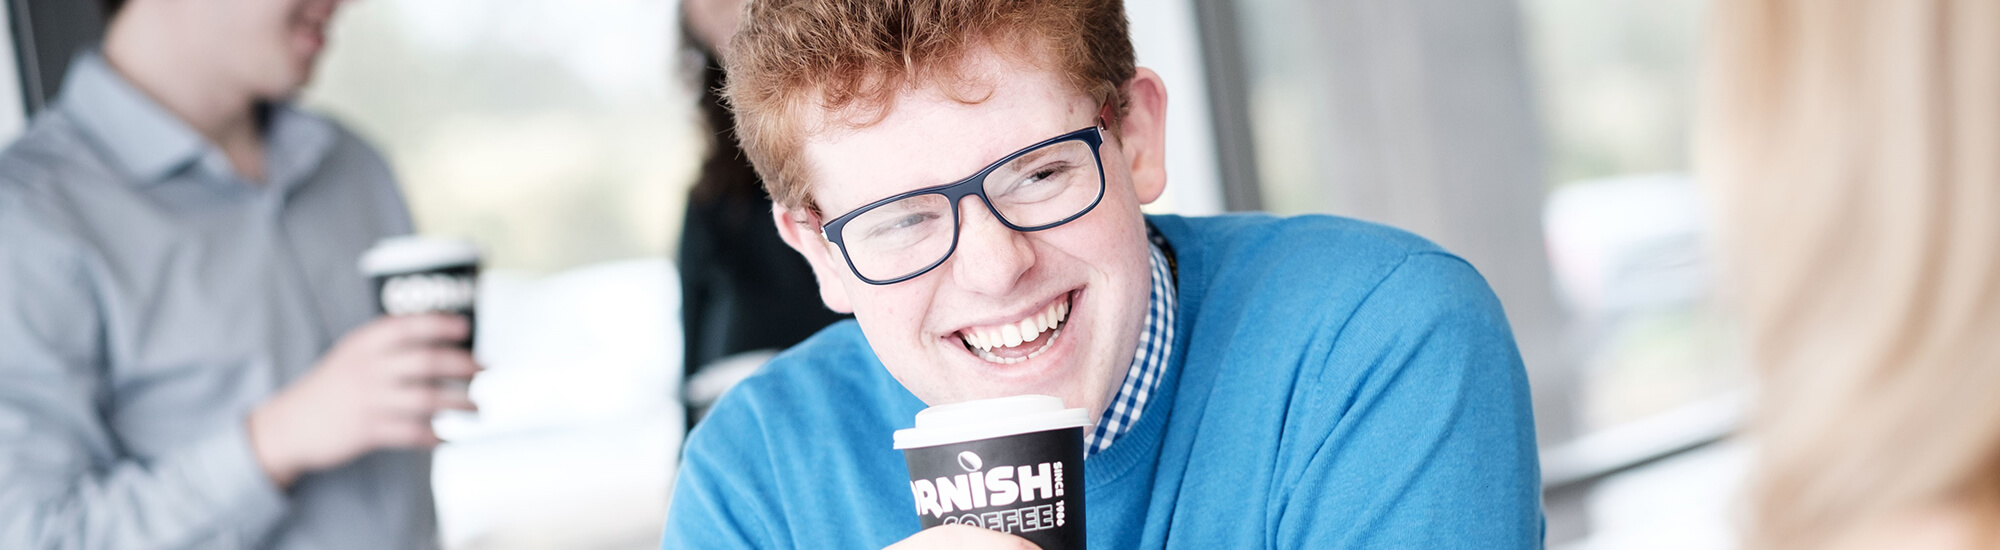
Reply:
x=974, y=185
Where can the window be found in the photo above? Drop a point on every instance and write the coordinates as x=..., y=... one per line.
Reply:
x=554, y=133
x=1546, y=141
x=561, y=137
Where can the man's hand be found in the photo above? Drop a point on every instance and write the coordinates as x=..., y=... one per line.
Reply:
x=377, y=388
x=963, y=537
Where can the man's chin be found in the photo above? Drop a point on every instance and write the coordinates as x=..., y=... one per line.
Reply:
x=280, y=91
x=994, y=390
x=1070, y=391
x=298, y=75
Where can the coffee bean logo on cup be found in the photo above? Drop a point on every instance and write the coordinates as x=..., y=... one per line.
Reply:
x=969, y=461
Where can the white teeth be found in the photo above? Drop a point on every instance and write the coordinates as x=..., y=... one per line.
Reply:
x=990, y=357
x=1029, y=329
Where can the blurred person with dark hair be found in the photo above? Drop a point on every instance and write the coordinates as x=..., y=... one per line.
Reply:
x=191, y=357
x=744, y=294
x=1854, y=151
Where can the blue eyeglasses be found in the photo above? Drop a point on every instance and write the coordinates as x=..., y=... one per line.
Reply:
x=1039, y=187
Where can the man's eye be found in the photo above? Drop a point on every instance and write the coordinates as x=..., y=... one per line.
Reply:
x=1045, y=173
x=1039, y=183
x=902, y=224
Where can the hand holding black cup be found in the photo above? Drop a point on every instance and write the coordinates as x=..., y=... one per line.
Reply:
x=413, y=275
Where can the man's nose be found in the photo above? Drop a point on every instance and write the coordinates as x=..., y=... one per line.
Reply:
x=991, y=257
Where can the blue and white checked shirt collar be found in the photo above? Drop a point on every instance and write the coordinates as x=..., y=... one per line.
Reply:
x=1156, y=342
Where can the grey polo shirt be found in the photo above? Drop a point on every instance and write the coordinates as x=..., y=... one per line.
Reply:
x=150, y=298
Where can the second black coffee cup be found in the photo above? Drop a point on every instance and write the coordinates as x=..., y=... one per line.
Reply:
x=414, y=274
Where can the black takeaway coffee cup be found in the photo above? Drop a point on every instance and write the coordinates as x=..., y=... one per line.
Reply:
x=412, y=274
x=1012, y=464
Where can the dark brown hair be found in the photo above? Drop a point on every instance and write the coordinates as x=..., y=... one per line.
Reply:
x=725, y=171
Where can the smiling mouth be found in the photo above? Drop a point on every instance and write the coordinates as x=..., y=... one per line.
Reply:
x=1021, y=340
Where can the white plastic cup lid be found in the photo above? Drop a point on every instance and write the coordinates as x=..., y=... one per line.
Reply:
x=989, y=418
x=412, y=253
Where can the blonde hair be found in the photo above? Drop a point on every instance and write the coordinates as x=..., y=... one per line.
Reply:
x=1854, y=150
x=797, y=66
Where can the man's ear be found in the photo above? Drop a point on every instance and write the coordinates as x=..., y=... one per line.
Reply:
x=1142, y=135
x=805, y=238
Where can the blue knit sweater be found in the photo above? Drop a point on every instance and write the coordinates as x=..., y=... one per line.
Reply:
x=1334, y=384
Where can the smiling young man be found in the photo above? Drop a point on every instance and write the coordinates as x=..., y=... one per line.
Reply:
x=190, y=357
x=966, y=178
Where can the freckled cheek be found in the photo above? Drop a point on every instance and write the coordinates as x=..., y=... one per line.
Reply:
x=900, y=313
x=1090, y=242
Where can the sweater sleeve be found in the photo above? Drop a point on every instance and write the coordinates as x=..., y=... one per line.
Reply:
x=65, y=481
x=1434, y=444
x=724, y=491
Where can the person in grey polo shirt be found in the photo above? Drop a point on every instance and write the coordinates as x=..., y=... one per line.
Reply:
x=188, y=356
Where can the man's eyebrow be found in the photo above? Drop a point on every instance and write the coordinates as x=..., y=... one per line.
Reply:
x=865, y=202
x=1030, y=156
x=899, y=206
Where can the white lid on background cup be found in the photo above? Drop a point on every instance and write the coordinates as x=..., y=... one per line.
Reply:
x=989, y=418
x=410, y=253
